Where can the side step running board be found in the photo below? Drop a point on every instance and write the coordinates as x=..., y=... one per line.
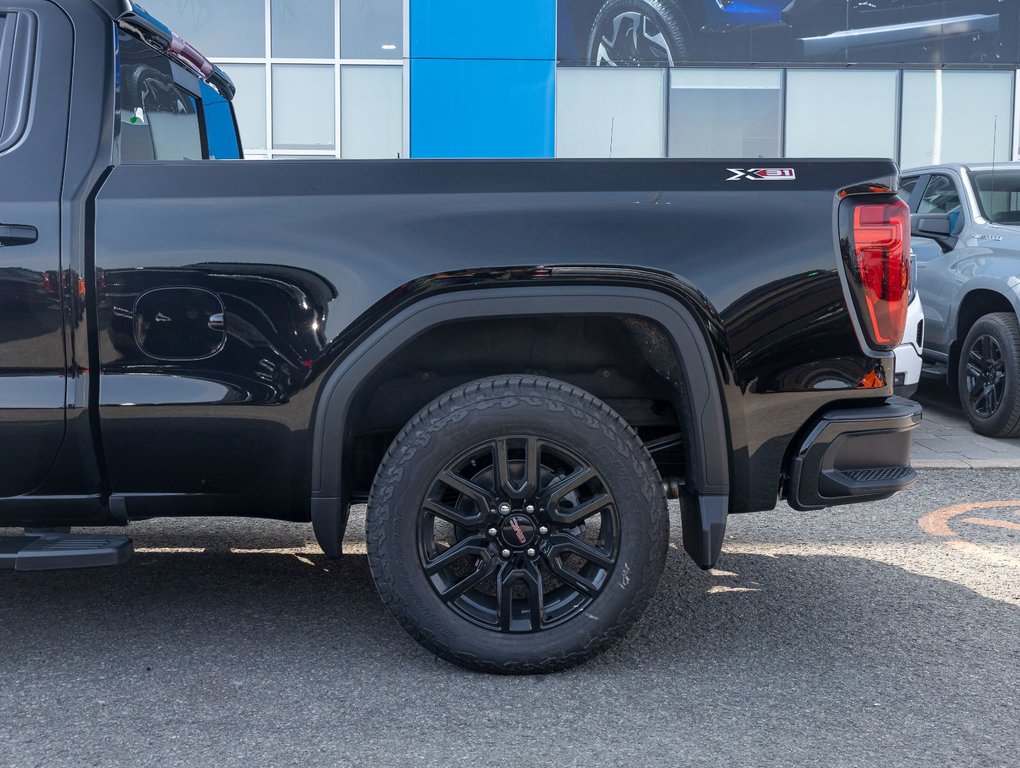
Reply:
x=52, y=551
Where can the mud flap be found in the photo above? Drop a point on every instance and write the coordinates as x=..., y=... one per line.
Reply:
x=703, y=519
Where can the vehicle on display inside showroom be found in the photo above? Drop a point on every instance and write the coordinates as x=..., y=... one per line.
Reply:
x=513, y=363
x=966, y=226
x=669, y=32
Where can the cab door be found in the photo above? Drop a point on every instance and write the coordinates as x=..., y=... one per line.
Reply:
x=36, y=45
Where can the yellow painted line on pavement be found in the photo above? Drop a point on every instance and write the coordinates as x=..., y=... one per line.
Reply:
x=936, y=522
x=993, y=523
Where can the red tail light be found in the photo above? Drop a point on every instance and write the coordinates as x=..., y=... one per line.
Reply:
x=878, y=253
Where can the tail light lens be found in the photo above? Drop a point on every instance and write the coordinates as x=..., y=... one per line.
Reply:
x=876, y=247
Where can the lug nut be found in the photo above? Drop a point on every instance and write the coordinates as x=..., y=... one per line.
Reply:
x=505, y=553
x=531, y=552
x=493, y=531
x=543, y=530
x=504, y=508
x=530, y=509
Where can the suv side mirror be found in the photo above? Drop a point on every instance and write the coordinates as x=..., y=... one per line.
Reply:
x=934, y=226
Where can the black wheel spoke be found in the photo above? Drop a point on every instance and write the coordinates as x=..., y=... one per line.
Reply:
x=481, y=497
x=583, y=511
x=572, y=577
x=566, y=542
x=529, y=483
x=476, y=546
x=558, y=490
x=482, y=570
x=530, y=576
x=472, y=520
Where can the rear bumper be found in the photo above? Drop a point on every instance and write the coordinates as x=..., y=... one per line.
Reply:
x=854, y=455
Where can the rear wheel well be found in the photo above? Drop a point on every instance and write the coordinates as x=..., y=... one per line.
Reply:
x=627, y=361
x=974, y=306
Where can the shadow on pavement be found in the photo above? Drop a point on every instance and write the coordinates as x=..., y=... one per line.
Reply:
x=224, y=657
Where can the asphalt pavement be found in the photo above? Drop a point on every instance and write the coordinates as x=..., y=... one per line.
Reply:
x=849, y=637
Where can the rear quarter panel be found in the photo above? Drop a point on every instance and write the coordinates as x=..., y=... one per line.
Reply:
x=314, y=253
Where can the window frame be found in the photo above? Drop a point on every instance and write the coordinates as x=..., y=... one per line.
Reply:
x=18, y=44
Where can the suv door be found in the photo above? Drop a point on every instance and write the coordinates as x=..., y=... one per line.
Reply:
x=36, y=45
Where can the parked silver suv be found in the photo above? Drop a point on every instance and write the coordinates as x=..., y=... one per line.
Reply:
x=965, y=227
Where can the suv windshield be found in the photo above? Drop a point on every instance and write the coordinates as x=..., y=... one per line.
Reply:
x=999, y=195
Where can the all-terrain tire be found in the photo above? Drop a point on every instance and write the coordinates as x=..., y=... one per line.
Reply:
x=983, y=383
x=565, y=421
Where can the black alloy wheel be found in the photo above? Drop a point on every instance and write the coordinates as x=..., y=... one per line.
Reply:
x=985, y=376
x=988, y=378
x=518, y=534
x=628, y=33
x=517, y=525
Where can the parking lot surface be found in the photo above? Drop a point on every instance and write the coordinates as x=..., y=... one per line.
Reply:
x=884, y=634
x=945, y=439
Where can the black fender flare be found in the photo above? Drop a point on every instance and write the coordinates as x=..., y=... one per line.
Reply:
x=706, y=497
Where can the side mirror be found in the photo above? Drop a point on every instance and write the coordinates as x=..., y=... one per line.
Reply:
x=934, y=226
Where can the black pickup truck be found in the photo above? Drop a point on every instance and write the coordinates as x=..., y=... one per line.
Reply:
x=514, y=364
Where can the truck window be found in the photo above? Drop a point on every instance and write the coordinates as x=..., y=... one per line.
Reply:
x=907, y=189
x=940, y=196
x=159, y=119
x=17, y=62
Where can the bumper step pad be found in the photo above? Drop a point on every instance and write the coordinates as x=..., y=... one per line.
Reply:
x=52, y=551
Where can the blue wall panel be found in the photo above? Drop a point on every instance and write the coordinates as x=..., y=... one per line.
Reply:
x=483, y=78
x=472, y=108
x=483, y=29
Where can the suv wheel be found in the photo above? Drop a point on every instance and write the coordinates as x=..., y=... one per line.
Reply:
x=637, y=32
x=988, y=375
x=517, y=525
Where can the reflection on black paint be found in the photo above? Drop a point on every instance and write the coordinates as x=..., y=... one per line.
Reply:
x=257, y=328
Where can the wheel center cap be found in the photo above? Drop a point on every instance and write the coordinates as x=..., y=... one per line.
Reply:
x=517, y=531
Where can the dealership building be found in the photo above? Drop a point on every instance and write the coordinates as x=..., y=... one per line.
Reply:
x=921, y=82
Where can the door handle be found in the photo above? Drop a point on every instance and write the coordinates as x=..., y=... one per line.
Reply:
x=17, y=234
x=216, y=322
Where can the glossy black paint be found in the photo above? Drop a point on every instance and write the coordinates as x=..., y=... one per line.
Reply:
x=374, y=236
x=33, y=287
x=307, y=259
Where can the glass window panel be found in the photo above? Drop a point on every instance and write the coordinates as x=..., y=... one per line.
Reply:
x=304, y=106
x=841, y=114
x=158, y=119
x=371, y=111
x=372, y=29
x=216, y=27
x=940, y=196
x=303, y=28
x=956, y=117
x=609, y=112
x=725, y=113
x=249, y=102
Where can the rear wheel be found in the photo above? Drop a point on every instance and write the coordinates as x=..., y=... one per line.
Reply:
x=517, y=525
x=989, y=375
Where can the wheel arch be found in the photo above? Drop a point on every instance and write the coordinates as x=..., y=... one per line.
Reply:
x=708, y=474
x=980, y=299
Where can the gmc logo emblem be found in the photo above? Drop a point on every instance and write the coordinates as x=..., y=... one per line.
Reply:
x=517, y=530
x=762, y=174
